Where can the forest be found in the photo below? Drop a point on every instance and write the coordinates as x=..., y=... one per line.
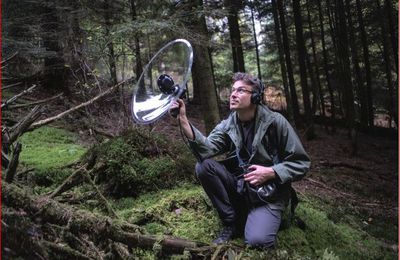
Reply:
x=82, y=180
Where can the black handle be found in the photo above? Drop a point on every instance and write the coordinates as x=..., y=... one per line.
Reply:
x=174, y=112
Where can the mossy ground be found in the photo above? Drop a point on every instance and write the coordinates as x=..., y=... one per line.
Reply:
x=180, y=208
x=48, y=150
x=186, y=212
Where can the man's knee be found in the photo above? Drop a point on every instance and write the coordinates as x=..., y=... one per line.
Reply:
x=204, y=168
x=258, y=240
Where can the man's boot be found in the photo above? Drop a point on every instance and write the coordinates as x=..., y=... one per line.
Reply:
x=227, y=234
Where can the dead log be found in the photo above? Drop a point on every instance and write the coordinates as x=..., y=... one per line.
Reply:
x=12, y=167
x=95, y=226
x=23, y=125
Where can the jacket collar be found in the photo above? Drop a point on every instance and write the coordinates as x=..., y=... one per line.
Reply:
x=264, y=118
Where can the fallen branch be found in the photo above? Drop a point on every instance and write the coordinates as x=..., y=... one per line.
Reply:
x=102, y=198
x=95, y=226
x=10, y=86
x=36, y=102
x=71, y=181
x=9, y=58
x=12, y=167
x=12, y=99
x=51, y=119
x=23, y=126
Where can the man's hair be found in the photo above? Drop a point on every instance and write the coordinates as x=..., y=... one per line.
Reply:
x=249, y=80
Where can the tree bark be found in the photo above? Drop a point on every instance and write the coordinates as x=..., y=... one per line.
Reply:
x=392, y=32
x=202, y=76
x=343, y=66
x=368, y=91
x=286, y=47
x=282, y=60
x=301, y=50
x=54, y=65
x=96, y=226
x=139, y=67
x=256, y=44
x=389, y=81
x=316, y=62
x=234, y=32
x=356, y=66
x=109, y=42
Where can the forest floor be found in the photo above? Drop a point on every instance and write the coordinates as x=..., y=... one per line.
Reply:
x=361, y=190
x=365, y=184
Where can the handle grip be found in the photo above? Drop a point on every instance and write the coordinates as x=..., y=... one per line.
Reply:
x=174, y=112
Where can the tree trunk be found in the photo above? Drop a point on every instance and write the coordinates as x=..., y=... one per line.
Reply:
x=301, y=49
x=282, y=60
x=357, y=71
x=343, y=66
x=139, y=67
x=54, y=64
x=393, y=35
x=316, y=62
x=368, y=90
x=202, y=76
x=256, y=44
x=109, y=43
x=386, y=57
x=286, y=47
x=234, y=32
x=326, y=68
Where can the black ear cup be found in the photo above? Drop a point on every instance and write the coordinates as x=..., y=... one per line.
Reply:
x=256, y=97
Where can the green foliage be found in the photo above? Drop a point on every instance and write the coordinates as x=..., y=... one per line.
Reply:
x=47, y=149
x=183, y=211
x=186, y=212
x=139, y=161
x=327, y=239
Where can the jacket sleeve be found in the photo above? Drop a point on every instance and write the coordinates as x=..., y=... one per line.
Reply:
x=216, y=143
x=294, y=161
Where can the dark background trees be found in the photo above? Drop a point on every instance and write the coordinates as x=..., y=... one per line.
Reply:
x=331, y=67
x=336, y=60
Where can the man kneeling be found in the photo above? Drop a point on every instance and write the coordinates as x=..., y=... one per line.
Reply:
x=250, y=189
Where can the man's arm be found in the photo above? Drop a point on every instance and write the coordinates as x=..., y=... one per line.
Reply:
x=183, y=120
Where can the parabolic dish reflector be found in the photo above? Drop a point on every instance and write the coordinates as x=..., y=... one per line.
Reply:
x=149, y=101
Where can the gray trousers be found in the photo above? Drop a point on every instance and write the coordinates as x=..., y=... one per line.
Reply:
x=260, y=224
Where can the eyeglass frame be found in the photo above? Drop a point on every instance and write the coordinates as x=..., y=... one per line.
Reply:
x=241, y=91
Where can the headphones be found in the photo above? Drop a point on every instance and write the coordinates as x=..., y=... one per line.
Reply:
x=257, y=96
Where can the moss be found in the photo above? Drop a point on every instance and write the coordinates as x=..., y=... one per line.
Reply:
x=47, y=150
x=323, y=235
x=183, y=212
x=139, y=161
x=186, y=212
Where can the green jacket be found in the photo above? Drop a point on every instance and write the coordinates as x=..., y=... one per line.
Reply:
x=226, y=138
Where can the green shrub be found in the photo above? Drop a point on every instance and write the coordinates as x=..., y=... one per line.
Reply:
x=139, y=161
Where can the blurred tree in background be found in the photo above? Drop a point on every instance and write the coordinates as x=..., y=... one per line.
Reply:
x=335, y=60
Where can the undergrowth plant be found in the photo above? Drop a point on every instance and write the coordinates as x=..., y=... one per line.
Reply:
x=47, y=150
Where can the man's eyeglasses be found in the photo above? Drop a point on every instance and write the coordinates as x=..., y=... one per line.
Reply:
x=241, y=91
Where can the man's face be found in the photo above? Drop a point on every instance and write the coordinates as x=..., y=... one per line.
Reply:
x=240, y=98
